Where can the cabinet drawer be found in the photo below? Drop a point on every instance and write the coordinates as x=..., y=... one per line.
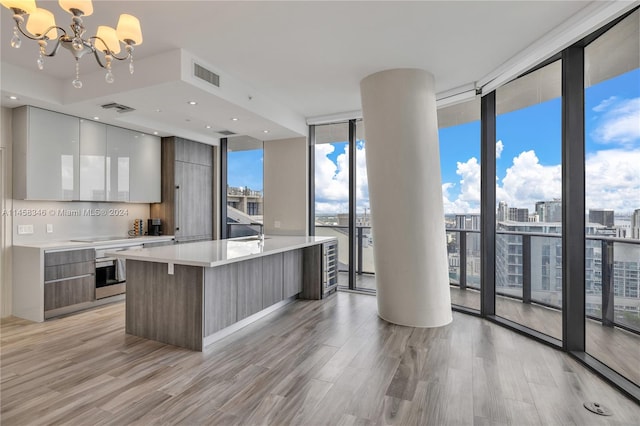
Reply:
x=70, y=256
x=68, y=292
x=69, y=270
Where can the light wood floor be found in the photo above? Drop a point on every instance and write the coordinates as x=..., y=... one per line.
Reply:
x=309, y=363
x=615, y=347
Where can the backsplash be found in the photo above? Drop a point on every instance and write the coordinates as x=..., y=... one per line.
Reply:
x=73, y=219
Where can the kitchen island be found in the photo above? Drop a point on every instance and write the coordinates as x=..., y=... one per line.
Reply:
x=193, y=294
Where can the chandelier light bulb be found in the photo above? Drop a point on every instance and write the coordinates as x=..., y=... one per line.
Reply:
x=107, y=40
x=41, y=20
x=26, y=6
x=128, y=29
x=85, y=7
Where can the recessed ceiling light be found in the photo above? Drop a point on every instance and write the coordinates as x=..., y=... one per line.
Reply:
x=155, y=133
x=96, y=118
x=13, y=98
x=192, y=103
x=158, y=110
x=207, y=126
x=234, y=119
x=265, y=131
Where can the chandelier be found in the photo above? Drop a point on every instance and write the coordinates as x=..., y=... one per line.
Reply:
x=41, y=27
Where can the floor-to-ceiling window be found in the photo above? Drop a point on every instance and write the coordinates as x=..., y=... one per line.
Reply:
x=244, y=186
x=528, y=281
x=612, y=197
x=459, y=136
x=365, y=268
x=332, y=189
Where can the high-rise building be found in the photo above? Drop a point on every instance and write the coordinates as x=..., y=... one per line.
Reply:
x=635, y=224
x=503, y=211
x=602, y=216
x=549, y=211
x=517, y=214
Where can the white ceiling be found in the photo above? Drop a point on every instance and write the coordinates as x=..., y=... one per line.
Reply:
x=293, y=59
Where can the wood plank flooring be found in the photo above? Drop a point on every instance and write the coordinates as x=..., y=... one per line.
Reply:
x=310, y=363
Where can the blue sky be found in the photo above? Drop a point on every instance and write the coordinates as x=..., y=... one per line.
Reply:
x=528, y=150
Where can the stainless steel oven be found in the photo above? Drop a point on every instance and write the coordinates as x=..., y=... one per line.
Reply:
x=111, y=275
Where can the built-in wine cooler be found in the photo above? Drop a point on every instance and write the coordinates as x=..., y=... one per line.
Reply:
x=329, y=267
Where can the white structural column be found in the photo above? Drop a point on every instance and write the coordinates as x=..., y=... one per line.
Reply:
x=405, y=191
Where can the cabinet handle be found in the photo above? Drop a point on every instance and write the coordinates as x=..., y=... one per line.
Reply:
x=68, y=278
x=177, y=207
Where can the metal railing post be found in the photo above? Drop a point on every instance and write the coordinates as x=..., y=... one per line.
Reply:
x=607, y=284
x=359, y=234
x=462, y=244
x=526, y=269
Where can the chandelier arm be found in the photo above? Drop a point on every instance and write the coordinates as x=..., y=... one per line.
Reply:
x=55, y=48
x=113, y=55
x=95, y=53
x=42, y=36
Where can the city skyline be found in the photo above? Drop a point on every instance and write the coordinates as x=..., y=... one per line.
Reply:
x=528, y=165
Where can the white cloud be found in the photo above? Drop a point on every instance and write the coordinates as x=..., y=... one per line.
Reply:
x=602, y=106
x=620, y=123
x=332, y=180
x=613, y=180
x=499, y=148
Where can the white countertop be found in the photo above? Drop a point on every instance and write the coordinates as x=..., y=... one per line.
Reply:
x=70, y=245
x=219, y=252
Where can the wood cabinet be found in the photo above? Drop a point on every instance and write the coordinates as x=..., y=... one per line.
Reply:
x=220, y=297
x=187, y=190
x=45, y=155
x=272, y=279
x=292, y=280
x=69, y=279
x=249, y=287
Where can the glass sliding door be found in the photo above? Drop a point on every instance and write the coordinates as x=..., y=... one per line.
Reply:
x=244, y=186
x=612, y=197
x=459, y=135
x=528, y=280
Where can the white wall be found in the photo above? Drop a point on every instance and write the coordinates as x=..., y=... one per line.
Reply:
x=286, y=186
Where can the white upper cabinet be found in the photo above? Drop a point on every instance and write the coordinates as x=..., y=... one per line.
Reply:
x=144, y=170
x=93, y=151
x=119, y=142
x=59, y=157
x=45, y=155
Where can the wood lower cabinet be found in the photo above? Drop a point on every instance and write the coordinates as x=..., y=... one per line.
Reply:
x=220, y=297
x=249, y=287
x=272, y=279
x=292, y=280
x=59, y=294
x=69, y=278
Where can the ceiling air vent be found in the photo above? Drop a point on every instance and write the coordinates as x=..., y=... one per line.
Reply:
x=118, y=107
x=204, y=74
x=225, y=132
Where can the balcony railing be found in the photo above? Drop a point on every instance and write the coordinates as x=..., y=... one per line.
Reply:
x=612, y=266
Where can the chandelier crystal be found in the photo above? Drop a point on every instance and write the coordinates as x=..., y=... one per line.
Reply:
x=41, y=27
